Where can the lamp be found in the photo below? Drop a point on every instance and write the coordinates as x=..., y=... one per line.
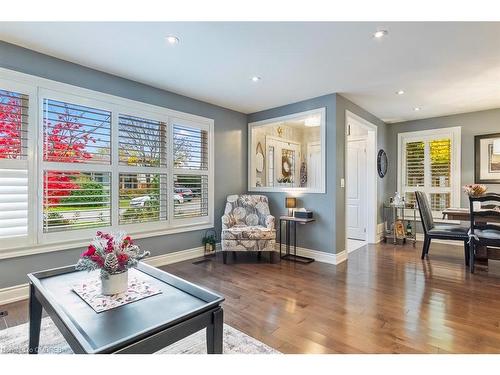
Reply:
x=496, y=146
x=290, y=203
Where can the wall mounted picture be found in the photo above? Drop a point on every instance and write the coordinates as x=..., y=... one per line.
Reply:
x=487, y=158
x=287, y=166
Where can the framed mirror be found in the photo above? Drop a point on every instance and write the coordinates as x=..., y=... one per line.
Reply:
x=288, y=153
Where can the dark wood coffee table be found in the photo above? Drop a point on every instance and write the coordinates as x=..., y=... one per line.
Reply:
x=144, y=326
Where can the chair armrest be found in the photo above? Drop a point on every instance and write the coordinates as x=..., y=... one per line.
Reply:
x=225, y=222
x=270, y=222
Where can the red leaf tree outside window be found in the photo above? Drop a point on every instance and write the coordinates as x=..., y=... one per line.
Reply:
x=10, y=129
x=65, y=142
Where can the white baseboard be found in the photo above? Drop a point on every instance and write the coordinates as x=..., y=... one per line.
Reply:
x=321, y=256
x=14, y=293
x=380, y=232
x=20, y=292
x=178, y=256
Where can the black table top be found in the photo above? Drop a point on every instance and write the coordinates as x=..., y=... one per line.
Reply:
x=178, y=301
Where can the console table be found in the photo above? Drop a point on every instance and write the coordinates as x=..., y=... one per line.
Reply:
x=288, y=220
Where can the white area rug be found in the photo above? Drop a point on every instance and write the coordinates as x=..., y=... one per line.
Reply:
x=15, y=340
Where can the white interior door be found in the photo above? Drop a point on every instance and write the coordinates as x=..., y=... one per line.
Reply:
x=313, y=165
x=356, y=189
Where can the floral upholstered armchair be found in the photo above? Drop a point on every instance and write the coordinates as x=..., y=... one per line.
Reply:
x=247, y=224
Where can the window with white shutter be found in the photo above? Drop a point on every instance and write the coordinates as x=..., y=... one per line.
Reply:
x=76, y=165
x=73, y=161
x=191, y=170
x=430, y=162
x=14, y=181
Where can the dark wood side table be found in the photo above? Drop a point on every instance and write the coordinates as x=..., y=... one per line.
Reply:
x=288, y=220
x=144, y=326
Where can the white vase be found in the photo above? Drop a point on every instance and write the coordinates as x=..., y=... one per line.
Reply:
x=115, y=283
x=476, y=206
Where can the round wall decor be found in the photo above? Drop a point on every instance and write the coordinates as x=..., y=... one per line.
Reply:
x=382, y=163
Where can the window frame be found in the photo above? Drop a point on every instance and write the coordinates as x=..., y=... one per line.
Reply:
x=37, y=89
x=28, y=163
x=182, y=222
x=454, y=134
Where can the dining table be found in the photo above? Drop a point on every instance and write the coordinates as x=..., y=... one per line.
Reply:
x=483, y=253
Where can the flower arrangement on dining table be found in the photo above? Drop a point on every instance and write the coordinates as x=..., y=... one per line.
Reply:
x=475, y=190
x=111, y=253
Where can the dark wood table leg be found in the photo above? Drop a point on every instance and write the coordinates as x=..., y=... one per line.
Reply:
x=35, y=311
x=214, y=332
x=288, y=226
x=281, y=226
x=295, y=239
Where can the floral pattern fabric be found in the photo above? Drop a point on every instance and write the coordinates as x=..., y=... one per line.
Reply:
x=247, y=224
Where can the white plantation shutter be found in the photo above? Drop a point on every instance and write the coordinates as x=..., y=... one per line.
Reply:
x=415, y=168
x=440, y=162
x=191, y=171
x=76, y=165
x=194, y=196
x=430, y=164
x=14, y=185
x=76, y=200
x=75, y=133
x=143, y=197
x=190, y=147
x=13, y=203
x=415, y=156
x=143, y=177
x=13, y=125
x=142, y=142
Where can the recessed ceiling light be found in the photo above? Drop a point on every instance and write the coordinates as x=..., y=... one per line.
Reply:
x=379, y=34
x=172, y=39
x=256, y=79
x=416, y=109
x=400, y=92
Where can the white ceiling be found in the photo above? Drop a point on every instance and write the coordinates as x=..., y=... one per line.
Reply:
x=444, y=68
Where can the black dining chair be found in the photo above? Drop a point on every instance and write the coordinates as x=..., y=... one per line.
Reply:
x=454, y=232
x=483, y=233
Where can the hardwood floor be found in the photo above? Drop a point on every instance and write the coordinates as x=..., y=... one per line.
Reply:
x=384, y=299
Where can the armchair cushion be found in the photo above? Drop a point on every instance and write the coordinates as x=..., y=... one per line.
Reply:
x=256, y=232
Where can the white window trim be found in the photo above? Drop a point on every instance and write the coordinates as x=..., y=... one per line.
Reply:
x=455, y=134
x=38, y=242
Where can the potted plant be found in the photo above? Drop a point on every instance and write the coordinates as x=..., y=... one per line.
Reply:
x=209, y=241
x=475, y=190
x=113, y=254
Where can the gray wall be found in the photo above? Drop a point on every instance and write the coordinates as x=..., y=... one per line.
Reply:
x=319, y=235
x=473, y=123
x=344, y=105
x=230, y=148
x=328, y=232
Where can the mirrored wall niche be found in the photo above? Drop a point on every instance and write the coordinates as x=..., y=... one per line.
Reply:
x=288, y=153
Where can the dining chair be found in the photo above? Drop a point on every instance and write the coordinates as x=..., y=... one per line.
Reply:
x=453, y=232
x=483, y=233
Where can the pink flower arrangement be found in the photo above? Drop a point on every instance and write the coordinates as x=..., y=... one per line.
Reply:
x=111, y=253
